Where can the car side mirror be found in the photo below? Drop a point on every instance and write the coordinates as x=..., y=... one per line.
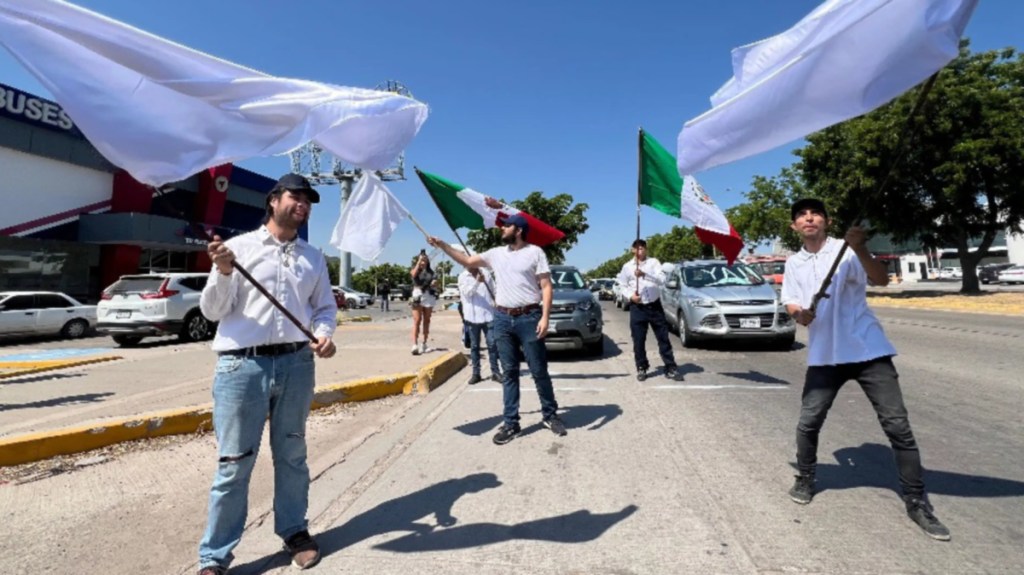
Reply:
x=672, y=284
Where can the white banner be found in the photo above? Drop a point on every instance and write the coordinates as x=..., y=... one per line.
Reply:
x=369, y=218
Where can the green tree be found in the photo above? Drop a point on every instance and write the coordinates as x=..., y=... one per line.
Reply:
x=765, y=217
x=679, y=243
x=368, y=279
x=334, y=269
x=960, y=179
x=557, y=211
x=444, y=270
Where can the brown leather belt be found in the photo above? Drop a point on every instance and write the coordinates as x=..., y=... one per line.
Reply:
x=515, y=311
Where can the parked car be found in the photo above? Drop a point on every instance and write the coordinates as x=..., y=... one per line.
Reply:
x=708, y=299
x=576, y=320
x=450, y=292
x=139, y=306
x=1012, y=275
x=339, y=299
x=951, y=274
x=604, y=288
x=621, y=299
x=355, y=299
x=990, y=273
x=44, y=313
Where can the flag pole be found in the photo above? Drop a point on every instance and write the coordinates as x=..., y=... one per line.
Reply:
x=901, y=151
x=457, y=236
x=639, y=186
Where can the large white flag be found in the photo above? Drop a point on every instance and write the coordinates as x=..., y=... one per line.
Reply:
x=164, y=112
x=844, y=59
x=369, y=218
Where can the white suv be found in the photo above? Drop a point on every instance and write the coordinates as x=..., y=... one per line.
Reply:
x=138, y=306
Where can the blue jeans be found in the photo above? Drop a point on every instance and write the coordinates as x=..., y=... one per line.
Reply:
x=511, y=333
x=385, y=303
x=246, y=390
x=475, y=330
x=880, y=382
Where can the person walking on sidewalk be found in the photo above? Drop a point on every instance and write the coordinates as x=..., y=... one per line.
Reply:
x=423, y=301
x=846, y=341
x=523, y=306
x=642, y=277
x=384, y=292
x=265, y=371
x=475, y=289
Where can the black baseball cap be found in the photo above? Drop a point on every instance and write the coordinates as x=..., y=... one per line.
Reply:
x=295, y=183
x=807, y=204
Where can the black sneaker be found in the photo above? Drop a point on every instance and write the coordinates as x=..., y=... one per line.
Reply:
x=803, y=489
x=496, y=377
x=921, y=513
x=506, y=433
x=474, y=379
x=641, y=374
x=303, y=550
x=672, y=373
x=554, y=423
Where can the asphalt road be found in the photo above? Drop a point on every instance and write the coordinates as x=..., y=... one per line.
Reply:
x=654, y=477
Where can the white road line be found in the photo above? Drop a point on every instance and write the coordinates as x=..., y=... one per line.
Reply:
x=766, y=386
x=476, y=389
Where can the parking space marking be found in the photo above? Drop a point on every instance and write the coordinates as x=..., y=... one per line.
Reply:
x=557, y=389
x=722, y=386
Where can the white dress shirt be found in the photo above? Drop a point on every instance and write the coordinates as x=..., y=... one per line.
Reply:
x=650, y=283
x=844, y=330
x=477, y=305
x=293, y=272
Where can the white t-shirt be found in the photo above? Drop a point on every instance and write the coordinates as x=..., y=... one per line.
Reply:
x=516, y=274
x=477, y=305
x=844, y=330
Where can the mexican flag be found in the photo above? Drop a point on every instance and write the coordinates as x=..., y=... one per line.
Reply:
x=661, y=188
x=464, y=207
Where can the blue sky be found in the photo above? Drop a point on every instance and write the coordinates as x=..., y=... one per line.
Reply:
x=527, y=95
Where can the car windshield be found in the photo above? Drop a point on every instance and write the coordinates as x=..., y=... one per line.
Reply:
x=717, y=275
x=566, y=279
x=139, y=284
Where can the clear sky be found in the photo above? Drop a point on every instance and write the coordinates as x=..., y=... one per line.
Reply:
x=527, y=95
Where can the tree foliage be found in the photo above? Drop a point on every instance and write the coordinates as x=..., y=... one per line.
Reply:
x=557, y=211
x=765, y=215
x=961, y=174
x=679, y=243
x=367, y=280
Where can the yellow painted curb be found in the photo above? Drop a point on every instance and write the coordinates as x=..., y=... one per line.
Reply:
x=31, y=447
x=29, y=367
x=438, y=372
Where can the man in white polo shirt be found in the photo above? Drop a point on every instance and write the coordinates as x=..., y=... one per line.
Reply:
x=523, y=307
x=846, y=342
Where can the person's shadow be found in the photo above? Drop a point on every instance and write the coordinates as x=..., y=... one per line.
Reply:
x=574, y=417
x=872, y=465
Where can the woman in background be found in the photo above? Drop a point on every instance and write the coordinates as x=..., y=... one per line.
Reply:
x=423, y=300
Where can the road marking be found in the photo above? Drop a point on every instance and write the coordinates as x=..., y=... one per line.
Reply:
x=476, y=389
x=725, y=386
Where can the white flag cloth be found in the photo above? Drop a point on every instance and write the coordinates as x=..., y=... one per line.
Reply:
x=369, y=218
x=844, y=59
x=164, y=112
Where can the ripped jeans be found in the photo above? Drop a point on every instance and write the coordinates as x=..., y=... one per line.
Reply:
x=246, y=390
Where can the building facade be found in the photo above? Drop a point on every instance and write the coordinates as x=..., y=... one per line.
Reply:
x=70, y=221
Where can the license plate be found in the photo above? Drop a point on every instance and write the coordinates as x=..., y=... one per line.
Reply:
x=123, y=314
x=748, y=322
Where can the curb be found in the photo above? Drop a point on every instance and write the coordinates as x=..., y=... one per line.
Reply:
x=29, y=367
x=32, y=447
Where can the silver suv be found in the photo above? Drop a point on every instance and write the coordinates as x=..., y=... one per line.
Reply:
x=139, y=306
x=576, y=320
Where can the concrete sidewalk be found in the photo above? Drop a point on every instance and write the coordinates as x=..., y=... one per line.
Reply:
x=169, y=384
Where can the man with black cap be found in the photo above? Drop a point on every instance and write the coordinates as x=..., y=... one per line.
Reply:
x=642, y=277
x=523, y=306
x=846, y=341
x=265, y=370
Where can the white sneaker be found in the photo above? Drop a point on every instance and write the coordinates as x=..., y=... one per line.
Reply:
x=423, y=347
x=415, y=349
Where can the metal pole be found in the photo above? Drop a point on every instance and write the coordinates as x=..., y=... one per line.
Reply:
x=345, y=268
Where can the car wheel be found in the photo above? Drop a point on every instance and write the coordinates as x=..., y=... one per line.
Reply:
x=594, y=348
x=685, y=337
x=196, y=328
x=74, y=329
x=127, y=340
x=350, y=303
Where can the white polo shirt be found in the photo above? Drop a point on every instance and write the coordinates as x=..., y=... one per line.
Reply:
x=515, y=272
x=844, y=330
x=649, y=285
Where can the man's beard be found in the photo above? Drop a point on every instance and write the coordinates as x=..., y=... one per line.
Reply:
x=508, y=240
x=286, y=221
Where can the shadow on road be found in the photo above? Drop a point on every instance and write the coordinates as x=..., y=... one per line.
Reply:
x=574, y=417
x=37, y=378
x=756, y=377
x=872, y=465
x=66, y=400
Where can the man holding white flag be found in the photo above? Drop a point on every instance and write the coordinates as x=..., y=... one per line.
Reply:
x=369, y=218
x=844, y=59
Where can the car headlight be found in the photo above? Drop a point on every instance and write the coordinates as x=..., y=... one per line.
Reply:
x=585, y=305
x=702, y=302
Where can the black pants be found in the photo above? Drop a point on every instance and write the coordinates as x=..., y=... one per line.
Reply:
x=641, y=316
x=880, y=382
